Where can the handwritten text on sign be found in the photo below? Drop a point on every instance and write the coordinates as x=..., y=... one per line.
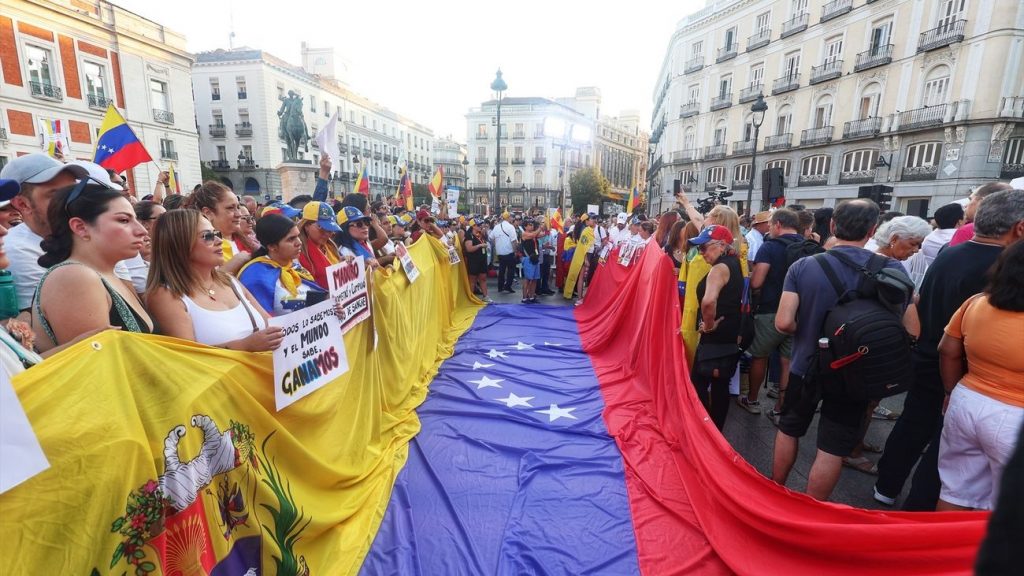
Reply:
x=311, y=355
x=347, y=281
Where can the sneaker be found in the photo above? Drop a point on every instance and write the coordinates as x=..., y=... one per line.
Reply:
x=524, y=301
x=488, y=300
x=883, y=413
x=773, y=390
x=882, y=498
x=752, y=407
x=773, y=415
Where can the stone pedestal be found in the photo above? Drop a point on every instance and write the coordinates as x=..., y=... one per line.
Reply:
x=297, y=178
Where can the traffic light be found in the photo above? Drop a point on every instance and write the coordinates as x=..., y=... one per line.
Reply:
x=879, y=193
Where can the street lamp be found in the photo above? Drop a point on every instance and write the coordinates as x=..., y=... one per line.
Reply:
x=498, y=86
x=758, y=109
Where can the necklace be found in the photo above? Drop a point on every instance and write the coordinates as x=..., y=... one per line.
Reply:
x=211, y=293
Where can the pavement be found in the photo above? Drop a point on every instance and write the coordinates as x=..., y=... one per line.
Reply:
x=753, y=436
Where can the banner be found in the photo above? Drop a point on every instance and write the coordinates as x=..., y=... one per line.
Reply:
x=579, y=257
x=20, y=452
x=311, y=355
x=347, y=283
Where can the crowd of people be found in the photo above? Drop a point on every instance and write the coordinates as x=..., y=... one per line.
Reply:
x=86, y=254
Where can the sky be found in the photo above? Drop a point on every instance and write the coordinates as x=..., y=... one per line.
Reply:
x=433, y=61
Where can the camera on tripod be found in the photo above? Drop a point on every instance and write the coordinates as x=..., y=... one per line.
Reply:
x=714, y=198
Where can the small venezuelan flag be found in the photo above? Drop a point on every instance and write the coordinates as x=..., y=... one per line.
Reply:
x=362, y=185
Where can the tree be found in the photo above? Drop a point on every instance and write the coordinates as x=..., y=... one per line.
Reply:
x=208, y=173
x=588, y=186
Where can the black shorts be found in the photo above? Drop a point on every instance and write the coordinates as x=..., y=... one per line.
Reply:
x=839, y=428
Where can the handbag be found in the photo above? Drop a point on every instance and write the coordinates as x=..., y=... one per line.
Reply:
x=241, y=300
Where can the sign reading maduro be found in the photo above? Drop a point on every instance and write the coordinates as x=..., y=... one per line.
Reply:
x=347, y=281
x=311, y=355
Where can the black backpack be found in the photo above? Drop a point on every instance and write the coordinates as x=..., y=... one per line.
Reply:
x=868, y=351
x=797, y=249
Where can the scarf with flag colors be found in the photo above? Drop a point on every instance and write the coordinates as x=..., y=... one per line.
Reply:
x=362, y=184
x=117, y=146
x=549, y=440
x=436, y=183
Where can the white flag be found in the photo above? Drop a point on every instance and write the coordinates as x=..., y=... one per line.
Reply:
x=327, y=139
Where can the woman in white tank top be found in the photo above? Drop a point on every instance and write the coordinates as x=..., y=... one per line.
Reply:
x=191, y=299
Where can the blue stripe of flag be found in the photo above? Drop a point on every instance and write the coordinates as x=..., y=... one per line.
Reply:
x=112, y=141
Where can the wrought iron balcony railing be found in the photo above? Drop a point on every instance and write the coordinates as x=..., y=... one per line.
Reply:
x=866, y=128
x=694, y=64
x=826, y=71
x=689, y=109
x=742, y=148
x=762, y=38
x=785, y=84
x=942, y=36
x=727, y=52
x=923, y=117
x=778, y=142
x=821, y=135
x=715, y=152
x=876, y=56
x=795, y=24
x=45, y=90
x=749, y=94
x=243, y=129
x=163, y=116
x=835, y=9
x=218, y=130
x=98, y=101
x=722, y=101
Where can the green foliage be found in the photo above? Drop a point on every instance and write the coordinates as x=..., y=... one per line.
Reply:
x=588, y=186
x=207, y=174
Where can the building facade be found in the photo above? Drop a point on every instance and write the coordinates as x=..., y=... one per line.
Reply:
x=925, y=97
x=452, y=158
x=67, y=60
x=238, y=94
x=543, y=143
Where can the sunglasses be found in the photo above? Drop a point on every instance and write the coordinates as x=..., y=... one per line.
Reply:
x=249, y=219
x=79, y=188
x=360, y=224
x=211, y=237
x=704, y=247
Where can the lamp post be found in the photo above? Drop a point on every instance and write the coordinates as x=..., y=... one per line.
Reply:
x=498, y=86
x=759, y=108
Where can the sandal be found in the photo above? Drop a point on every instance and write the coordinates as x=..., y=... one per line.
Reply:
x=862, y=464
x=872, y=448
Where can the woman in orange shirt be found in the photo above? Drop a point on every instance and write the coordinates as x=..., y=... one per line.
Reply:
x=983, y=373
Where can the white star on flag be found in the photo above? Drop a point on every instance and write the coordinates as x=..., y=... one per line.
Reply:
x=495, y=354
x=486, y=382
x=554, y=413
x=522, y=346
x=552, y=344
x=478, y=365
x=512, y=401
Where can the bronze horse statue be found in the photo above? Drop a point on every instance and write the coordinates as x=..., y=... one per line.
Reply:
x=292, y=128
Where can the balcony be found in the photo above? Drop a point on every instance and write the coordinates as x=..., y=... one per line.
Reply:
x=689, y=109
x=835, y=9
x=218, y=130
x=814, y=136
x=98, y=101
x=1011, y=171
x=215, y=95
x=743, y=148
x=759, y=40
x=876, y=56
x=694, y=64
x=539, y=161
x=923, y=117
x=685, y=156
x=168, y=155
x=866, y=128
x=827, y=71
x=243, y=129
x=163, y=116
x=518, y=161
x=220, y=165
x=481, y=162
x=387, y=158
x=778, y=142
x=786, y=84
x=242, y=94
x=481, y=136
x=917, y=173
x=860, y=177
x=942, y=36
x=518, y=135
x=712, y=186
x=715, y=152
x=247, y=164
x=796, y=24
x=721, y=102
x=727, y=52
x=45, y=90
x=750, y=93
x=377, y=156
x=813, y=180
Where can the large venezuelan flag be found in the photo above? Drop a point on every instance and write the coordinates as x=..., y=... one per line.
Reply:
x=549, y=441
x=117, y=146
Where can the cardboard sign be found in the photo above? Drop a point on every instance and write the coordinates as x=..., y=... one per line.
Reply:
x=453, y=202
x=627, y=252
x=311, y=355
x=347, y=283
x=20, y=452
x=453, y=255
x=411, y=271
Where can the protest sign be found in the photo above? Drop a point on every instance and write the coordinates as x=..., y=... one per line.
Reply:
x=347, y=283
x=411, y=271
x=453, y=201
x=627, y=252
x=20, y=452
x=453, y=255
x=311, y=355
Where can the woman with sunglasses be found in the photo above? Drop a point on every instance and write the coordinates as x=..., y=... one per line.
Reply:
x=316, y=230
x=720, y=294
x=272, y=276
x=220, y=206
x=191, y=299
x=245, y=239
x=146, y=212
x=92, y=228
x=354, y=238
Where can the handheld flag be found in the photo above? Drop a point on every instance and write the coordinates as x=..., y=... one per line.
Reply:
x=327, y=139
x=54, y=136
x=405, y=189
x=435, y=183
x=362, y=185
x=117, y=147
x=634, y=200
x=556, y=221
x=172, y=179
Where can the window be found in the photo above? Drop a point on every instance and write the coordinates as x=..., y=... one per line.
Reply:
x=916, y=207
x=730, y=37
x=725, y=86
x=280, y=90
x=247, y=152
x=869, y=101
x=538, y=152
x=39, y=62
x=517, y=180
x=881, y=34
x=243, y=117
x=784, y=121
x=689, y=137
x=158, y=91
x=921, y=155
x=791, y=64
x=693, y=94
x=167, y=148
x=312, y=103
x=741, y=173
x=218, y=118
x=697, y=49
x=936, y=86
x=94, y=80
x=520, y=130
x=756, y=75
x=215, y=88
x=243, y=93
x=481, y=179
x=1014, y=151
x=798, y=7
x=481, y=130
x=859, y=160
x=222, y=154
x=823, y=112
x=327, y=109
x=819, y=165
x=783, y=164
x=716, y=175
x=538, y=178
x=352, y=116
x=762, y=22
x=518, y=154
x=720, y=132
x=833, y=50
x=949, y=12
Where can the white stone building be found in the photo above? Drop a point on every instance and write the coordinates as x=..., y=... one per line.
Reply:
x=452, y=157
x=237, y=98
x=66, y=60
x=923, y=96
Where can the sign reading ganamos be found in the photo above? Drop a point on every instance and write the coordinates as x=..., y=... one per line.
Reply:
x=311, y=355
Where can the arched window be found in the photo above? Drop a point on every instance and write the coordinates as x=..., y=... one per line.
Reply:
x=481, y=178
x=689, y=138
x=783, y=164
x=517, y=178
x=538, y=178
x=936, y=86
x=859, y=161
x=814, y=170
x=923, y=155
x=870, y=98
x=720, y=131
x=741, y=173
x=784, y=120
x=716, y=175
x=823, y=112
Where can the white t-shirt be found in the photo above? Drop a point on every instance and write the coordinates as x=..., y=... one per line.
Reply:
x=502, y=235
x=754, y=241
x=138, y=271
x=23, y=250
x=215, y=327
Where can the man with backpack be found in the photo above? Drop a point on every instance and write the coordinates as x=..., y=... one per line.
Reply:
x=785, y=245
x=817, y=291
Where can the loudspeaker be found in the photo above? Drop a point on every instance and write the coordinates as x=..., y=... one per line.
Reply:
x=773, y=185
x=677, y=187
x=880, y=193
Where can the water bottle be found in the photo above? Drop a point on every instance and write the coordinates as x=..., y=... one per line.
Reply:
x=8, y=295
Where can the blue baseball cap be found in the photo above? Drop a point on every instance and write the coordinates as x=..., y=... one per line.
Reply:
x=282, y=209
x=322, y=214
x=8, y=189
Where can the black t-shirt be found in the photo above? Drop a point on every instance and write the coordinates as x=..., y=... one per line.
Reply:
x=956, y=274
x=773, y=253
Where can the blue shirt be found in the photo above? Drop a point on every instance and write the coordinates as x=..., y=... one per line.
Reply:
x=817, y=297
x=774, y=254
